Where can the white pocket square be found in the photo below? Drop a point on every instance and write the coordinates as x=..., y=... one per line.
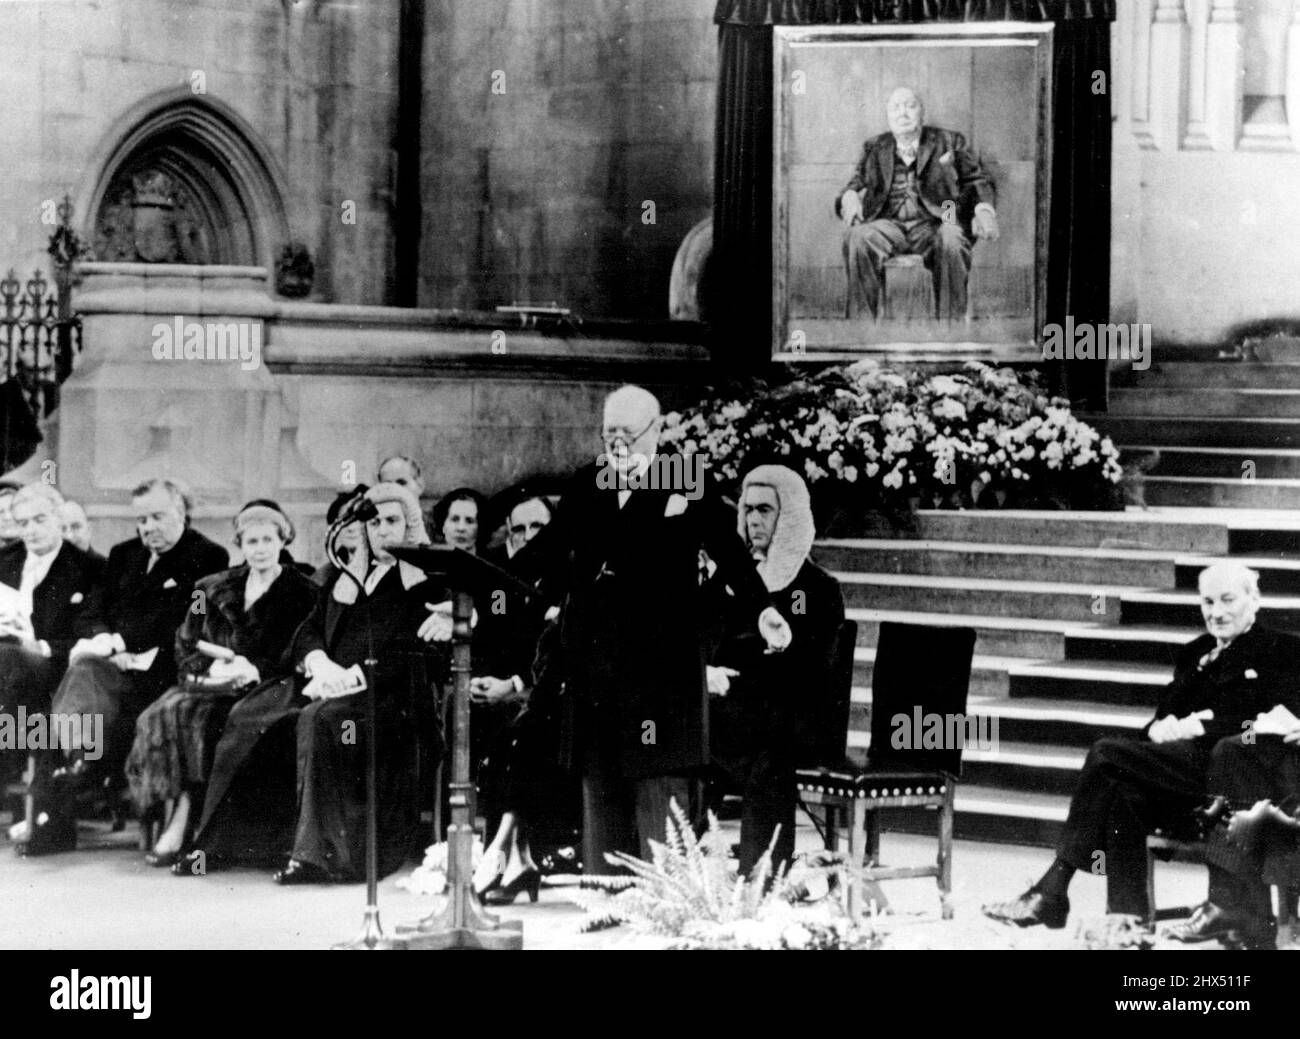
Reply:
x=77, y=597
x=1251, y=673
x=170, y=583
x=676, y=505
x=945, y=158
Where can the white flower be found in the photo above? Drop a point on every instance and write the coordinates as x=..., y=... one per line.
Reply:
x=796, y=936
x=850, y=473
x=894, y=479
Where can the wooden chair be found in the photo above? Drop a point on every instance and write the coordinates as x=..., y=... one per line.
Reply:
x=919, y=671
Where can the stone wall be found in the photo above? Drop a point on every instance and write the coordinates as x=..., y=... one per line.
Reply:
x=312, y=81
x=537, y=191
x=1206, y=97
x=336, y=389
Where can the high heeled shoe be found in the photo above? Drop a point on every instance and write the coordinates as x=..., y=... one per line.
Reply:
x=529, y=880
x=495, y=882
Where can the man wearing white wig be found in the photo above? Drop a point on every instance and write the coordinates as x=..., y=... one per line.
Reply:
x=766, y=712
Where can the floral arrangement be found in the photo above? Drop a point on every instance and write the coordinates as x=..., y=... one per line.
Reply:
x=689, y=897
x=870, y=438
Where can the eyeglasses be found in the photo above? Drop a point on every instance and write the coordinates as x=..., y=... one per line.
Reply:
x=614, y=436
x=523, y=528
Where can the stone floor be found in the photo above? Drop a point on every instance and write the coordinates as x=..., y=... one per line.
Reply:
x=103, y=896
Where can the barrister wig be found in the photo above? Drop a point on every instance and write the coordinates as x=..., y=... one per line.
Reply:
x=793, y=537
x=253, y=514
x=386, y=492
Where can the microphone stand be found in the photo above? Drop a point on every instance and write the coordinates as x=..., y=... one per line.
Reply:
x=372, y=932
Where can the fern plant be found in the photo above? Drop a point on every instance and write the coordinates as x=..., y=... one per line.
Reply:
x=688, y=892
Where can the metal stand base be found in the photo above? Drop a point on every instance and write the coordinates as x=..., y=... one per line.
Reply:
x=372, y=935
x=472, y=928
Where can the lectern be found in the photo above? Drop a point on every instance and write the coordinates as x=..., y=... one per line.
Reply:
x=462, y=923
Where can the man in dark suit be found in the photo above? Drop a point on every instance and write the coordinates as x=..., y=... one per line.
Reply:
x=917, y=189
x=625, y=546
x=49, y=585
x=1222, y=681
x=147, y=588
x=766, y=712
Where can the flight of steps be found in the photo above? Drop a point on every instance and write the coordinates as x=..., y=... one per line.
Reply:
x=1227, y=432
x=1078, y=618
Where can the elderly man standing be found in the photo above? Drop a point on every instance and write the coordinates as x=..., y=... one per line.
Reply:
x=1222, y=681
x=916, y=189
x=147, y=589
x=767, y=712
x=625, y=549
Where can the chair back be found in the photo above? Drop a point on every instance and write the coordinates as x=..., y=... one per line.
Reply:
x=829, y=732
x=918, y=697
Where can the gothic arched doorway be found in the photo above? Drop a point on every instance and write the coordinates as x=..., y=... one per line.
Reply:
x=185, y=180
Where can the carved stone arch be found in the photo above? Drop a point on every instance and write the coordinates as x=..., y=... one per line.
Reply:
x=183, y=178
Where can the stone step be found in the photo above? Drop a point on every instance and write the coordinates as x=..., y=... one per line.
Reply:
x=1127, y=644
x=1195, y=431
x=1036, y=638
x=975, y=559
x=1035, y=767
x=1173, y=532
x=1226, y=492
x=991, y=813
x=1219, y=402
x=1211, y=375
x=1276, y=576
x=1182, y=609
x=989, y=675
x=999, y=598
x=1135, y=685
x=1071, y=723
x=1232, y=463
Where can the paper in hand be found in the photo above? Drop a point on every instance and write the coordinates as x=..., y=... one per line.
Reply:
x=1277, y=722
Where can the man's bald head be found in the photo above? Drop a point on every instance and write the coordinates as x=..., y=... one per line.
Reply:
x=631, y=425
x=1229, y=599
x=905, y=111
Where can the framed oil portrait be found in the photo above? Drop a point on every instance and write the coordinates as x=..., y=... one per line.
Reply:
x=910, y=190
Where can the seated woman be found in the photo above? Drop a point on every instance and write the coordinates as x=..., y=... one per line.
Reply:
x=251, y=612
x=317, y=718
x=349, y=538
x=456, y=518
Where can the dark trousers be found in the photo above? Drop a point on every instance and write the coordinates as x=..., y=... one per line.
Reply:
x=1246, y=773
x=26, y=680
x=622, y=814
x=944, y=247
x=767, y=790
x=1128, y=788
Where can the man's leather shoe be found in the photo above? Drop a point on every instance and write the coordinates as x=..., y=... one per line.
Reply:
x=1210, y=923
x=1030, y=909
x=302, y=873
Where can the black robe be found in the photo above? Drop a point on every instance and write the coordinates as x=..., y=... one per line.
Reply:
x=631, y=630
x=260, y=806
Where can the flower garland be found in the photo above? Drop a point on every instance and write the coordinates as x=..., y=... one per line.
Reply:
x=884, y=439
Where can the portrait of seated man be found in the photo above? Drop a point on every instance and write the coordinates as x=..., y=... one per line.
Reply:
x=918, y=190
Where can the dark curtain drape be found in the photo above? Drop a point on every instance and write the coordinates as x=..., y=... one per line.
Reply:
x=1078, y=272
